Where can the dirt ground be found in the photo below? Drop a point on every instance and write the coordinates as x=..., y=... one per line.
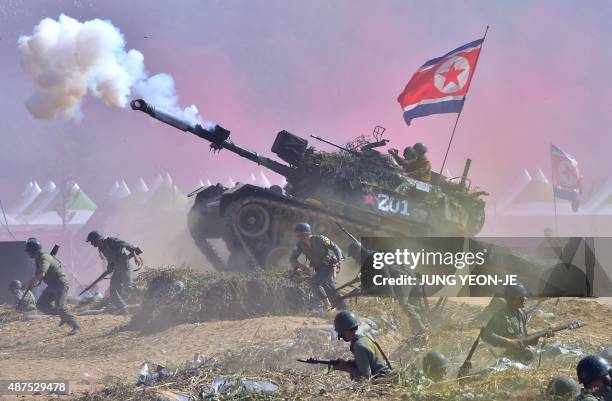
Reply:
x=102, y=355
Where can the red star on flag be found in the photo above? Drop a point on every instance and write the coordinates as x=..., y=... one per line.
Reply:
x=451, y=75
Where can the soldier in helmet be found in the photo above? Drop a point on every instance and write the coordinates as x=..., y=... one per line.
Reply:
x=324, y=257
x=53, y=298
x=409, y=155
x=420, y=167
x=435, y=366
x=361, y=254
x=118, y=255
x=26, y=304
x=370, y=360
x=509, y=325
x=594, y=374
x=562, y=388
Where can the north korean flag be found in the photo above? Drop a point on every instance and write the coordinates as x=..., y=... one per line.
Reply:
x=566, y=178
x=440, y=85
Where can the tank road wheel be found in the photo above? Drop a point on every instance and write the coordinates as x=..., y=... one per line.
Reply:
x=278, y=259
x=253, y=220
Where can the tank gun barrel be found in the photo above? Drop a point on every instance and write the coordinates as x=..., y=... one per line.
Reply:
x=214, y=133
x=318, y=138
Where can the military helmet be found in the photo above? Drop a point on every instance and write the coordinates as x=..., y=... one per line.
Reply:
x=433, y=361
x=354, y=248
x=33, y=245
x=420, y=148
x=303, y=228
x=345, y=320
x=607, y=354
x=409, y=152
x=94, y=236
x=512, y=291
x=15, y=285
x=562, y=387
x=591, y=367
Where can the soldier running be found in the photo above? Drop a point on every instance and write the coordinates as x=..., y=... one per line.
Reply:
x=52, y=301
x=118, y=255
x=324, y=257
x=508, y=325
x=23, y=303
x=370, y=360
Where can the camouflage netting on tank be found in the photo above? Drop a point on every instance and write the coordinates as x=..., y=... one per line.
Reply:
x=369, y=166
x=182, y=295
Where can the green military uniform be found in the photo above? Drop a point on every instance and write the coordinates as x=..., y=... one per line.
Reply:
x=419, y=169
x=588, y=396
x=28, y=304
x=510, y=324
x=322, y=254
x=53, y=298
x=117, y=254
x=369, y=361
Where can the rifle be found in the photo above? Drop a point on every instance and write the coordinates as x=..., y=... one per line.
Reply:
x=106, y=273
x=53, y=252
x=465, y=368
x=351, y=236
x=312, y=361
x=533, y=338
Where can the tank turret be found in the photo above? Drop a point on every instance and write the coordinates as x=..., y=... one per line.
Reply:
x=356, y=186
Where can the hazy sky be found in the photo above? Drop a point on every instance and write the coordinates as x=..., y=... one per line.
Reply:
x=331, y=68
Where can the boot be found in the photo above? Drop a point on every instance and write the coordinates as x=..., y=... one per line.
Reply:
x=75, y=329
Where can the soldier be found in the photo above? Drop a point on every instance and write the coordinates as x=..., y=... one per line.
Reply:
x=409, y=156
x=52, y=301
x=28, y=303
x=420, y=168
x=508, y=325
x=117, y=254
x=562, y=388
x=435, y=366
x=361, y=254
x=594, y=374
x=324, y=257
x=370, y=361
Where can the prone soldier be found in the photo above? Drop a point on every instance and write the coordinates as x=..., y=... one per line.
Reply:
x=324, y=257
x=118, y=255
x=435, y=366
x=369, y=359
x=52, y=301
x=23, y=303
x=509, y=325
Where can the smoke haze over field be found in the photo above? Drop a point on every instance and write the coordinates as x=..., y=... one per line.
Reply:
x=328, y=68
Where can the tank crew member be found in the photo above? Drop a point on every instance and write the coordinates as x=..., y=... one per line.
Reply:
x=52, y=301
x=118, y=255
x=370, y=360
x=28, y=303
x=435, y=366
x=409, y=156
x=508, y=325
x=562, y=388
x=361, y=254
x=324, y=257
x=594, y=374
x=419, y=168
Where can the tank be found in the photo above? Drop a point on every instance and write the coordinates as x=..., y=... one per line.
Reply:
x=358, y=187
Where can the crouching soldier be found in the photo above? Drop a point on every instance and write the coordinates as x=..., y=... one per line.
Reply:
x=508, y=326
x=118, y=255
x=23, y=303
x=324, y=257
x=52, y=301
x=370, y=360
x=435, y=366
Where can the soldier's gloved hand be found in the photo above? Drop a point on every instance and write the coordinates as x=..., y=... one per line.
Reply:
x=393, y=151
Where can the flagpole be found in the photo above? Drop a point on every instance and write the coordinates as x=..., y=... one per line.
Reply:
x=552, y=174
x=464, y=98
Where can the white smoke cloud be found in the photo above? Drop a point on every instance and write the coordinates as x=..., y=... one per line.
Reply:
x=68, y=59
